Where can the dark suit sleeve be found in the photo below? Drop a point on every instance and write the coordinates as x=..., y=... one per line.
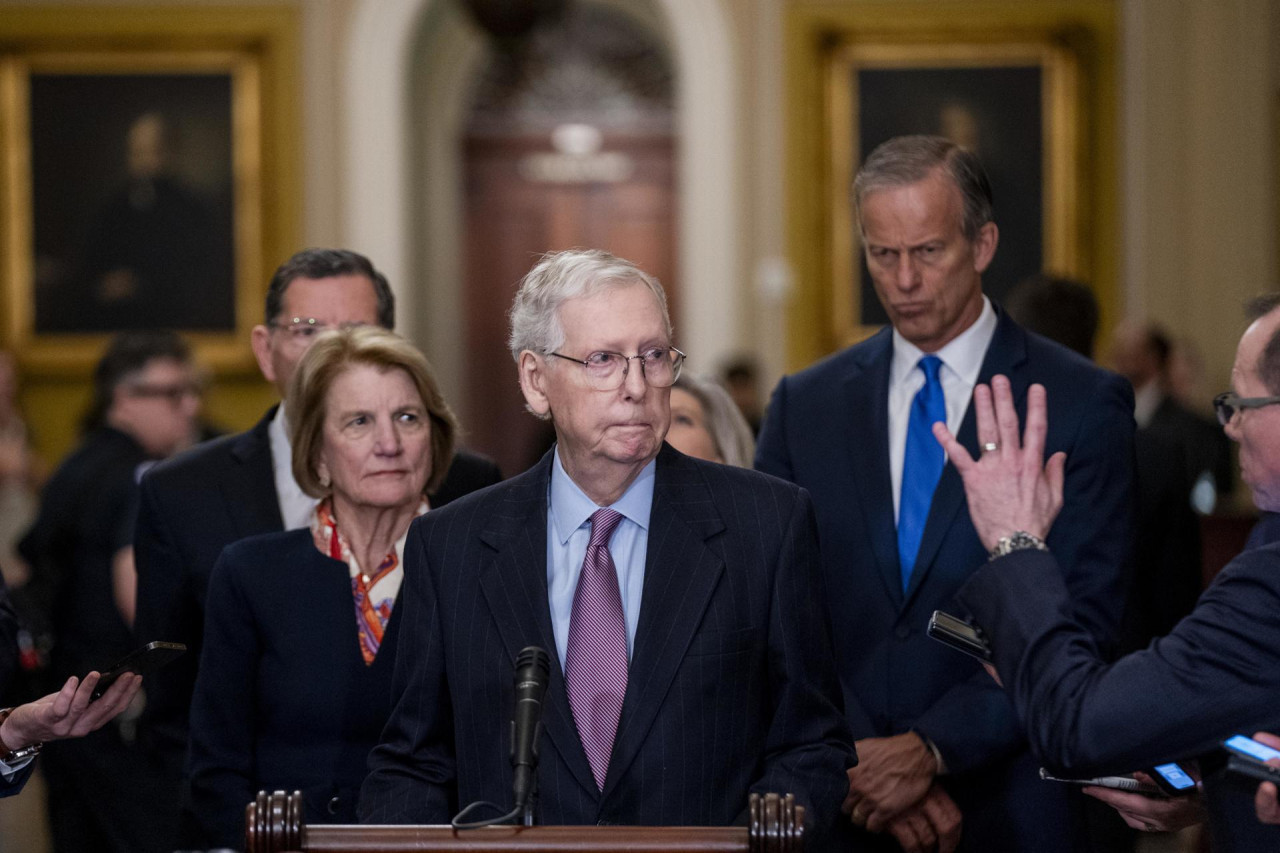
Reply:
x=168, y=609
x=1218, y=671
x=1092, y=538
x=412, y=776
x=809, y=747
x=223, y=713
x=158, y=566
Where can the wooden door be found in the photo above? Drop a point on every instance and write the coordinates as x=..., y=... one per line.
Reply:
x=524, y=199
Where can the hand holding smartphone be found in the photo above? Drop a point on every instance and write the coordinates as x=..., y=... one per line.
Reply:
x=1248, y=757
x=143, y=661
x=1171, y=780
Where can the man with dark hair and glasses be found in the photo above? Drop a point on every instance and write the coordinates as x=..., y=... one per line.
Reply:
x=144, y=406
x=1216, y=674
x=678, y=601
x=243, y=485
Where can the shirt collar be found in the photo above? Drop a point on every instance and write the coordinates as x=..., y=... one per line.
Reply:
x=963, y=355
x=570, y=507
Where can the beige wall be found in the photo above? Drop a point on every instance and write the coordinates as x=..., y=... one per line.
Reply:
x=1199, y=158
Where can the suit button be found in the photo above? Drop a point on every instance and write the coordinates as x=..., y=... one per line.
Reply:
x=902, y=632
x=334, y=804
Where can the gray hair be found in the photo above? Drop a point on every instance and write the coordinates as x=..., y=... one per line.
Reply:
x=729, y=430
x=559, y=277
x=906, y=160
x=1268, y=365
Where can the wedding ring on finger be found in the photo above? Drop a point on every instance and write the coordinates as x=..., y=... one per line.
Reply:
x=990, y=446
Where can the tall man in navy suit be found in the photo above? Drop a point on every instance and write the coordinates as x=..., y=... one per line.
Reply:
x=679, y=601
x=242, y=485
x=896, y=541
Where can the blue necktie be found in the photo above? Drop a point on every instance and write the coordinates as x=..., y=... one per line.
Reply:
x=921, y=465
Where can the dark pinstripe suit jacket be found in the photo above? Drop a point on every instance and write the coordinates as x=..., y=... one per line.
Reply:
x=731, y=688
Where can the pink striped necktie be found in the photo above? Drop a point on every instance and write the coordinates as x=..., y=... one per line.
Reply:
x=595, y=660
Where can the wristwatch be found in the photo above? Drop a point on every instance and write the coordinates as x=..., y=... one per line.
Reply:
x=1019, y=540
x=13, y=756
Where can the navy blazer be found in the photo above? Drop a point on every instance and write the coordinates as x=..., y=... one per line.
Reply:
x=731, y=687
x=192, y=506
x=284, y=700
x=1215, y=675
x=827, y=430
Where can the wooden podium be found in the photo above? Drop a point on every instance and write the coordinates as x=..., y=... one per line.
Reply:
x=274, y=825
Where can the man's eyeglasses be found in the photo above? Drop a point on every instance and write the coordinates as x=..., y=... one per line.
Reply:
x=606, y=371
x=174, y=393
x=1228, y=403
x=303, y=330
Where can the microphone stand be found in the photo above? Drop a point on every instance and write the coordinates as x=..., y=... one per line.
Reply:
x=531, y=804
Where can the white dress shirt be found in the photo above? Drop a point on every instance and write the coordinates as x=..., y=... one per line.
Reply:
x=295, y=505
x=961, y=362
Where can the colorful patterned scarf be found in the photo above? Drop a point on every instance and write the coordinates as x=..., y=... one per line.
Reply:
x=374, y=594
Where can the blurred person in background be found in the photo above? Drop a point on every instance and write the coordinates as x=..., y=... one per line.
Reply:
x=1141, y=353
x=706, y=423
x=300, y=636
x=145, y=402
x=742, y=380
x=1061, y=309
x=21, y=475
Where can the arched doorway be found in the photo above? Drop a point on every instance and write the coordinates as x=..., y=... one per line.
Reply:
x=569, y=143
x=406, y=92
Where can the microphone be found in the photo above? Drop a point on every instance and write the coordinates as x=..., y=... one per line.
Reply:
x=533, y=671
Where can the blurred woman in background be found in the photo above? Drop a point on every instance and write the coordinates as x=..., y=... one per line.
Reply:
x=705, y=423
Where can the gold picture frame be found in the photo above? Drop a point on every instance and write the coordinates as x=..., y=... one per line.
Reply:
x=75, y=93
x=1057, y=132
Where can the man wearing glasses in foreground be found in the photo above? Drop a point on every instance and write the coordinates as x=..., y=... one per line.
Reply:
x=678, y=601
x=1215, y=675
x=242, y=485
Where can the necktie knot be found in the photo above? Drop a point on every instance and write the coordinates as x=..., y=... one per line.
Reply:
x=603, y=523
x=930, y=364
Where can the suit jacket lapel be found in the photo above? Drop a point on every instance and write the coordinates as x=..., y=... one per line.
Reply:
x=514, y=584
x=865, y=398
x=1005, y=355
x=251, y=493
x=681, y=573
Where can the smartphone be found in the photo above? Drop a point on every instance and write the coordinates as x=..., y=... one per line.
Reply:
x=143, y=661
x=1250, y=748
x=1252, y=769
x=1119, y=783
x=959, y=635
x=1247, y=756
x=1172, y=779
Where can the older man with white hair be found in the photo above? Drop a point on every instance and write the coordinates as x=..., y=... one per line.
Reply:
x=690, y=654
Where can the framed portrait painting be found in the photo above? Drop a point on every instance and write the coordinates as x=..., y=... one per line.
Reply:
x=133, y=199
x=1014, y=103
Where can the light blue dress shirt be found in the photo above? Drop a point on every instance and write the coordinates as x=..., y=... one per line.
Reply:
x=569, y=513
